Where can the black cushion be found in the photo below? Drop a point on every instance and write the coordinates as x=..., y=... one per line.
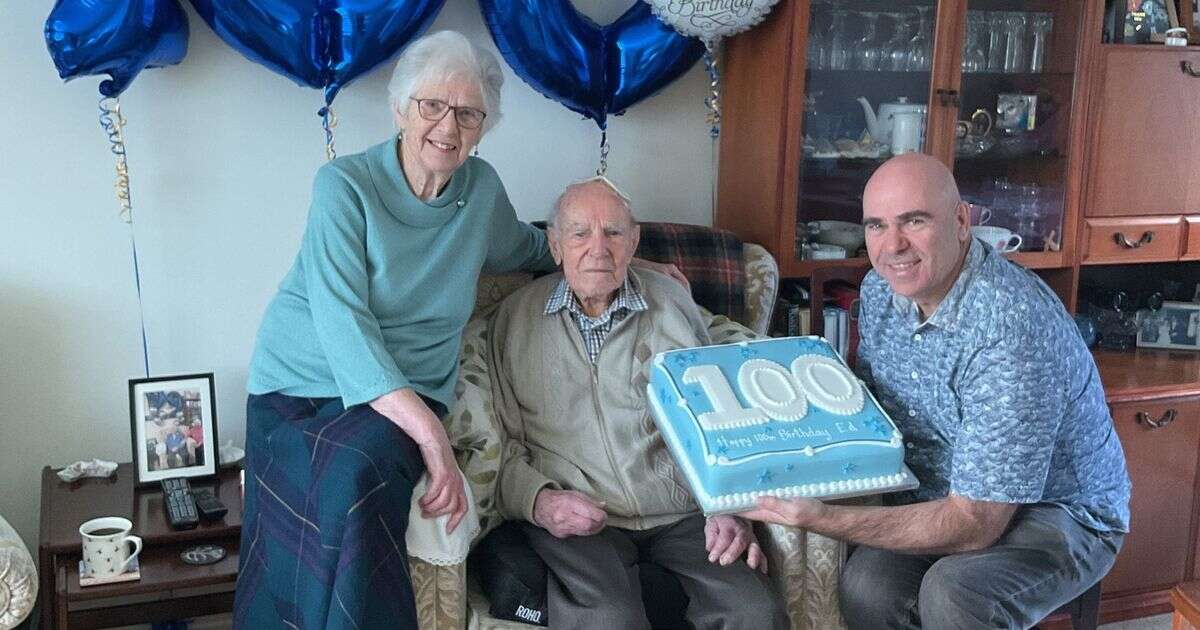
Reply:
x=513, y=577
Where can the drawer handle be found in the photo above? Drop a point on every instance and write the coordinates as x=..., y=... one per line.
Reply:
x=1124, y=241
x=1186, y=66
x=1167, y=418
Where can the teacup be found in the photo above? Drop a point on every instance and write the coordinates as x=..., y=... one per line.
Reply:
x=980, y=214
x=106, y=543
x=1001, y=239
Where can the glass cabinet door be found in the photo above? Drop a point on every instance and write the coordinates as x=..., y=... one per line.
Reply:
x=866, y=87
x=1014, y=118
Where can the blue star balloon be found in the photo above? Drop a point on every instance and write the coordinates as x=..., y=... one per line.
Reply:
x=593, y=70
x=323, y=44
x=120, y=39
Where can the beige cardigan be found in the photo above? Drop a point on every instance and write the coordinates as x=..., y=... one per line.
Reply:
x=572, y=425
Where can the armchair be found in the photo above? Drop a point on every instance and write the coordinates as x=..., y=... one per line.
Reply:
x=804, y=566
x=18, y=578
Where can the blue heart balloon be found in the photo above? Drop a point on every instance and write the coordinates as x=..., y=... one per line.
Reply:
x=120, y=39
x=593, y=70
x=323, y=44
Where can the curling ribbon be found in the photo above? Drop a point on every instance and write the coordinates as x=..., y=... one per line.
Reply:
x=113, y=123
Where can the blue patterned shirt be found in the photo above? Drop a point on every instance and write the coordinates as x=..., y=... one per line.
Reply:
x=595, y=329
x=996, y=394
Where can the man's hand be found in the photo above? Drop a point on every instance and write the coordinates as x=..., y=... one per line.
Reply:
x=664, y=268
x=727, y=537
x=566, y=513
x=445, y=493
x=794, y=512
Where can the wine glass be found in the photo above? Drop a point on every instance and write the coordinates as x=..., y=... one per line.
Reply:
x=894, y=55
x=920, y=47
x=839, y=42
x=974, y=58
x=1041, y=24
x=818, y=42
x=1015, y=23
x=995, y=53
x=866, y=53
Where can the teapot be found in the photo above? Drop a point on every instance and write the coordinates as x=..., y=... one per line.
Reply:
x=881, y=126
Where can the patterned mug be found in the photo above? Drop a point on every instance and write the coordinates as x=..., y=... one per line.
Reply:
x=1002, y=240
x=106, y=542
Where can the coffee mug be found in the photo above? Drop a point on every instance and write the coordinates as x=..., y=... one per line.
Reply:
x=980, y=214
x=106, y=543
x=1003, y=240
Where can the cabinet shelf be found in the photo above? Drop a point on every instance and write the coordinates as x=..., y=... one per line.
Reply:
x=1029, y=260
x=1146, y=374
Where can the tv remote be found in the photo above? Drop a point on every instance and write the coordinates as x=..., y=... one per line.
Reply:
x=179, y=505
x=211, y=508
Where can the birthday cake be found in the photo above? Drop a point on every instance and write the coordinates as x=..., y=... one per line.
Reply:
x=782, y=417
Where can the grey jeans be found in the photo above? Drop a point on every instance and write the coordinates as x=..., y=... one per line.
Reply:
x=1044, y=560
x=594, y=580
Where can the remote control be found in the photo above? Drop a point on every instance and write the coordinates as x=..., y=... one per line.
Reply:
x=178, y=503
x=211, y=508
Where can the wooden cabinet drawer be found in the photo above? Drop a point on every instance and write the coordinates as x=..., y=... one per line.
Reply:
x=1193, y=239
x=1132, y=239
x=1162, y=464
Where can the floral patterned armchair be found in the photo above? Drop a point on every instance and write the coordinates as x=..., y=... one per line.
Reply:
x=803, y=566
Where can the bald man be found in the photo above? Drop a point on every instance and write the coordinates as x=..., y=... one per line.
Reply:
x=1024, y=497
x=584, y=466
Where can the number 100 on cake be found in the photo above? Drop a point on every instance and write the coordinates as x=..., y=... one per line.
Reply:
x=782, y=417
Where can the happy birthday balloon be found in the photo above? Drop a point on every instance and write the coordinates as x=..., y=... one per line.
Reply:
x=711, y=20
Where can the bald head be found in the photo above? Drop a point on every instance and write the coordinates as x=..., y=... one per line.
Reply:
x=598, y=190
x=918, y=228
x=917, y=178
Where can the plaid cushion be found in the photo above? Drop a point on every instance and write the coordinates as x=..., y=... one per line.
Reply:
x=710, y=258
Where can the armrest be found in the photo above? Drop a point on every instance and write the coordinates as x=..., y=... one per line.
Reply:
x=804, y=570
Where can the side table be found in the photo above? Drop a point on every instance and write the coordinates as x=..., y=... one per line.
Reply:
x=168, y=588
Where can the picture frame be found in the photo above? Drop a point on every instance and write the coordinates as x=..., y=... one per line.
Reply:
x=1176, y=326
x=173, y=426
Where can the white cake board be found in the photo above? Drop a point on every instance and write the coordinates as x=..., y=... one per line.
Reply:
x=910, y=483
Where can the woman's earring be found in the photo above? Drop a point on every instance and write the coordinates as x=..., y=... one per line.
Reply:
x=476, y=153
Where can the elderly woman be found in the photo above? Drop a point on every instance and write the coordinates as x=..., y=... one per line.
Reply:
x=357, y=354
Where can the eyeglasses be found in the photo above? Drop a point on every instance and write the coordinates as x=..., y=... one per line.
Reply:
x=434, y=110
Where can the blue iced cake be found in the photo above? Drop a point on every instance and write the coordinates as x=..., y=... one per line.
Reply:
x=782, y=417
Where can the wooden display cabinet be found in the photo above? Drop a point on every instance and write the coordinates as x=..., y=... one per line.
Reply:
x=1116, y=146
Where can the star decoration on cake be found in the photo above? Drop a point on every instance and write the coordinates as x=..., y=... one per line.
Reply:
x=748, y=352
x=769, y=426
x=664, y=394
x=849, y=468
x=765, y=476
x=685, y=358
x=875, y=425
x=722, y=449
x=789, y=467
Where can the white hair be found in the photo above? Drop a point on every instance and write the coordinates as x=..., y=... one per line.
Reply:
x=437, y=57
x=575, y=186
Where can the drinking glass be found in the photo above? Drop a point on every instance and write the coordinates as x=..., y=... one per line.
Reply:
x=866, y=53
x=920, y=47
x=839, y=42
x=995, y=51
x=895, y=52
x=818, y=41
x=1041, y=24
x=1015, y=24
x=974, y=58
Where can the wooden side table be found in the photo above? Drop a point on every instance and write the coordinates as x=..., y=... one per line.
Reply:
x=1185, y=598
x=169, y=588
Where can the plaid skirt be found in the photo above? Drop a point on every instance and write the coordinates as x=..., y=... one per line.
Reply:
x=328, y=491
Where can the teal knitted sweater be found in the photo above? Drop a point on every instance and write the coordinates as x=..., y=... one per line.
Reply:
x=384, y=282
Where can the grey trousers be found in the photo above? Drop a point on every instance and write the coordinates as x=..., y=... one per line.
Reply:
x=594, y=583
x=1044, y=560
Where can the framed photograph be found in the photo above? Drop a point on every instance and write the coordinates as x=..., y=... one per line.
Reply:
x=1146, y=21
x=174, y=426
x=1175, y=326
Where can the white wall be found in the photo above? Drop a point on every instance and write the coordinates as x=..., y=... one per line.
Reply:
x=221, y=153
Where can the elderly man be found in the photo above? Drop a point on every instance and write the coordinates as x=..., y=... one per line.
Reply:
x=584, y=464
x=1024, y=497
